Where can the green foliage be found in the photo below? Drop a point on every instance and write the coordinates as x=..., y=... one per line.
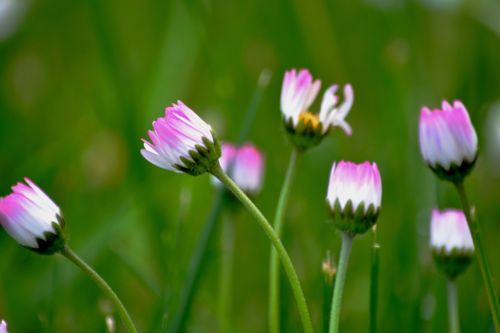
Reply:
x=81, y=82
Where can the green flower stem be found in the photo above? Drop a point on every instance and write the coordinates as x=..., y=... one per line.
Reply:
x=374, y=282
x=340, y=281
x=274, y=269
x=280, y=249
x=226, y=275
x=480, y=256
x=454, y=322
x=74, y=258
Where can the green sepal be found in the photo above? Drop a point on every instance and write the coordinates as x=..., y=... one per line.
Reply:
x=202, y=158
x=51, y=242
x=456, y=173
x=452, y=263
x=353, y=221
x=304, y=135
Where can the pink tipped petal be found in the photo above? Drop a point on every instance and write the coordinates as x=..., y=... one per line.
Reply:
x=348, y=101
x=179, y=131
x=358, y=183
x=331, y=115
x=449, y=231
x=28, y=213
x=297, y=93
x=3, y=327
x=328, y=103
x=248, y=169
x=447, y=136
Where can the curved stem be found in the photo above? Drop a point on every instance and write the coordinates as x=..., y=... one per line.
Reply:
x=280, y=249
x=74, y=258
x=339, y=282
x=481, y=257
x=453, y=321
x=274, y=276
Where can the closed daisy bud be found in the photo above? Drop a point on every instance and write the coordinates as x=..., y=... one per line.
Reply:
x=3, y=327
x=448, y=141
x=245, y=165
x=248, y=169
x=354, y=196
x=451, y=241
x=32, y=219
x=307, y=129
x=182, y=142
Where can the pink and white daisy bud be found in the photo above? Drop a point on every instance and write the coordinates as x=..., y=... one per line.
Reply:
x=451, y=241
x=245, y=165
x=3, y=327
x=248, y=169
x=307, y=129
x=354, y=196
x=182, y=142
x=448, y=141
x=32, y=218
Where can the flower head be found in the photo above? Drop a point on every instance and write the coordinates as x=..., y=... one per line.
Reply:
x=354, y=195
x=307, y=129
x=181, y=142
x=245, y=165
x=32, y=218
x=3, y=327
x=248, y=169
x=451, y=241
x=448, y=141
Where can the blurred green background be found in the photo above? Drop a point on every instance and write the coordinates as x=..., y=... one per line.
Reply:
x=81, y=82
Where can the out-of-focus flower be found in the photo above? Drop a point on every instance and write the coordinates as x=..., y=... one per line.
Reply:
x=32, y=218
x=248, y=169
x=307, y=129
x=12, y=13
x=245, y=165
x=448, y=141
x=451, y=241
x=182, y=142
x=354, y=196
x=3, y=327
x=228, y=153
x=492, y=138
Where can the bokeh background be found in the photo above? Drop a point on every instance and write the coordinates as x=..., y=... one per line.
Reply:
x=81, y=82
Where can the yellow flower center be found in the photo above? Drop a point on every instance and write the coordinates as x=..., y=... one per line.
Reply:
x=308, y=117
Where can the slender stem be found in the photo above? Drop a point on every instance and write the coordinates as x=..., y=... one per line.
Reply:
x=374, y=282
x=270, y=233
x=74, y=258
x=329, y=272
x=454, y=322
x=274, y=269
x=339, y=282
x=480, y=256
x=195, y=266
x=226, y=275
